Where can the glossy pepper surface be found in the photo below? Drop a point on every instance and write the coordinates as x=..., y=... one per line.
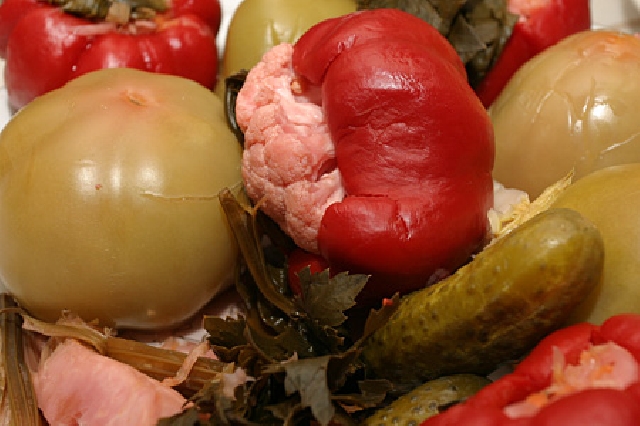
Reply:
x=45, y=47
x=583, y=375
x=413, y=146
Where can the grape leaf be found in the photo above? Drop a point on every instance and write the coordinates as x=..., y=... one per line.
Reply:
x=325, y=299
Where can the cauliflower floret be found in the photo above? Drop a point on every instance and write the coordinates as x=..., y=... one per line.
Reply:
x=289, y=158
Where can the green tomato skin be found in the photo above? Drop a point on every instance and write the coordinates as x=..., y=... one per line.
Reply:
x=258, y=25
x=609, y=198
x=572, y=107
x=108, y=200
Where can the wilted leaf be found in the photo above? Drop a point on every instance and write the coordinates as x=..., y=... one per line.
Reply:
x=242, y=219
x=308, y=378
x=282, y=346
x=297, y=347
x=227, y=332
x=211, y=406
x=378, y=318
x=477, y=29
x=188, y=417
x=325, y=299
x=233, y=84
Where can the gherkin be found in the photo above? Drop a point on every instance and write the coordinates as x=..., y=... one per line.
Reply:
x=495, y=308
x=427, y=400
x=118, y=11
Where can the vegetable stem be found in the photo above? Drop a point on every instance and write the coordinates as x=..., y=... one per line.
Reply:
x=18, y=387
x=155, y=362
x=118, y=11
x=162, y=363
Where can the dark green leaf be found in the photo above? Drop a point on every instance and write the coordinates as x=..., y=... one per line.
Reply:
x=378, y=318
x=373, y=392
x=424, y=10
x=242, y=219
x=284, y=345
x=298, y=348
x=325, y=299
x=227, y=332
x=118, y=11
x=211, y=406
x=233, y=84
x=477, y=29
x=308, y=378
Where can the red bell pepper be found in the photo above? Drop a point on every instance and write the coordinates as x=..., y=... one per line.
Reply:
x=582, y=375
x=45, y=47
x=413, y=145
x=542, y=24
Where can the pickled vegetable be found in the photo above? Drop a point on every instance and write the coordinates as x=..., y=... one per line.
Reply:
x=427, y=400
x=609, y=198
x=258, y=25
x=572, y=106
x=108, y=200
x=496, y=307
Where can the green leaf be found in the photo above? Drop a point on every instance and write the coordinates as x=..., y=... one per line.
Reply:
x=378, y=318
x=227, y=332
x=242, y=219
x=325, y=299
x=298, y=348
x=282, y=346
x=308, y=378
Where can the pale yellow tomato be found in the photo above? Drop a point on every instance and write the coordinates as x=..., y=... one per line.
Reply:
x=258, y=25
x=574, y=106
x=610, y=199
x=108, y=200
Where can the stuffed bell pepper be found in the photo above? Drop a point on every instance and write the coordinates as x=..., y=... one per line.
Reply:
x=46, y=44
x=583, y=375
x=366, y=144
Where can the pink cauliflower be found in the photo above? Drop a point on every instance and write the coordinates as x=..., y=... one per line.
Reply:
x=289, y=158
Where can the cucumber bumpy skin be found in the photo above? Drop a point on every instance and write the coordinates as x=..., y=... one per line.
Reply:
x=495, y=308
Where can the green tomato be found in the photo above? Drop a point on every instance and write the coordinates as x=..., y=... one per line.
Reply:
x=108, y=200
x=574, y=106
x=258, y=25
x=610, y=199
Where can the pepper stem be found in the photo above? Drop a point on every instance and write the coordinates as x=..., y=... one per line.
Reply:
x=117, y=11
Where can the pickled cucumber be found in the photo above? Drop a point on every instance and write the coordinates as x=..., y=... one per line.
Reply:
x=496, y=307
x=427, y=400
